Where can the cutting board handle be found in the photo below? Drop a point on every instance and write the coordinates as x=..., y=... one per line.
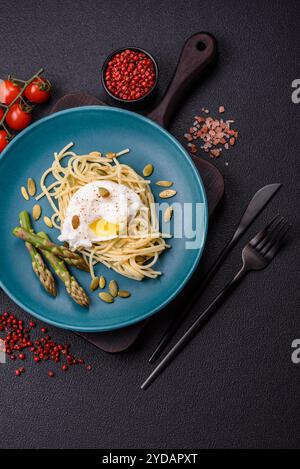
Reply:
x=198, y=54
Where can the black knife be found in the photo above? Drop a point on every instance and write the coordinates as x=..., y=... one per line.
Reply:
x=257, y=204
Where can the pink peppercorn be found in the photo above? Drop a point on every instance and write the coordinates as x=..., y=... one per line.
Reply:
x=18, y=337
x=130, y=75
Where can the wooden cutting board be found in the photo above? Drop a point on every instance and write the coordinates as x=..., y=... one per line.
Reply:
x=198, y=54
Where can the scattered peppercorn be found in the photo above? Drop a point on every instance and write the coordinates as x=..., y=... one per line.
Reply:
x=17, y=338
x=130, y=74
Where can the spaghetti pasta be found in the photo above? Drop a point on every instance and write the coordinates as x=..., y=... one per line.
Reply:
x=133, y=255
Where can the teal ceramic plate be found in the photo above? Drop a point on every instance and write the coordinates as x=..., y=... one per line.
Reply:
x=104, y=129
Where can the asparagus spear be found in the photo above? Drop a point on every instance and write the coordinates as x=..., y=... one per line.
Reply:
x=69, y=256
x=38, y=265
x=73, y=288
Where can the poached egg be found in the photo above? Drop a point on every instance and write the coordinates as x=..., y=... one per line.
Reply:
x=95, y=215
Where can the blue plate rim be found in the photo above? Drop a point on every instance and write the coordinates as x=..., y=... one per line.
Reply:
x=188, y=159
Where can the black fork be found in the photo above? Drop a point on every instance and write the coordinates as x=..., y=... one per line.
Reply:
x=262, y=249
x=256, y=255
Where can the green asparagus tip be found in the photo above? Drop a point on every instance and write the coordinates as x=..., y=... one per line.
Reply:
x=25, y=220
x=15, y=230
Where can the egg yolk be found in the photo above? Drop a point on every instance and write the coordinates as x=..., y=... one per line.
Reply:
x=104, y=229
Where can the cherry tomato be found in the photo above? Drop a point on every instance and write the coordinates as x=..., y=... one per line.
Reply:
x=1, y=113
x=38, y=91
x=3, y=139
x=19, y=116
x=8, y=91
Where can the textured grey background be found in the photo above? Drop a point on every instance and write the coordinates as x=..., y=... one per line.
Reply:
x=235, y=385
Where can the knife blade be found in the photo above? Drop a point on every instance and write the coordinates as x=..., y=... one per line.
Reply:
x=256, y=205
x=259, y=201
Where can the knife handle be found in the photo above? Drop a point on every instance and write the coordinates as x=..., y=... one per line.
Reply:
x=177, y=321
x=197, y=56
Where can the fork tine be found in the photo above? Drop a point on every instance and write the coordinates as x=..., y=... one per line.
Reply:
x=269, y=236
x=257, y=239
x=277, y=245
x=274, y=237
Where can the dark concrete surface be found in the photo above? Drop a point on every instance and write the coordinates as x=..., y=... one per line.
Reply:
x=235, y=385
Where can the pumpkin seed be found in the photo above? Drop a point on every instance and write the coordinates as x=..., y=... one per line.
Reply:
x=71, y=180
x=167, y=194
x=104, y=192
x=124, y=294
x=148, y=170
x=101, y=172
x=24, y=193
x=95, y=153
x=102, y=282
x=110, y=154
x=31, y=187
x=113, y=288
x=168, y=214
x=106, y=297
x=36, y=212
x=48, y=222
x=75, y=221
x=164, y=183
x=94, y=284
